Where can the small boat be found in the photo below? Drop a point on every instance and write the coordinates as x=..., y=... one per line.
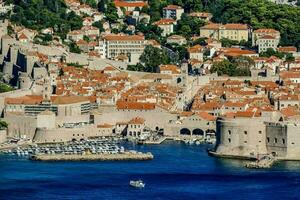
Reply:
x=137, y=184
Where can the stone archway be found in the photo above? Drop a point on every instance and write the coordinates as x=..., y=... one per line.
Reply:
x=198, y=131
x=185, y=131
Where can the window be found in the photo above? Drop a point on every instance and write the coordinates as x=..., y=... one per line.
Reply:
x=245, y=142
x=245, y=132
x=259, y=132
x=268, y=139
x=283, y=141
x=275, y=140
x=229, y=132
x=229, y=140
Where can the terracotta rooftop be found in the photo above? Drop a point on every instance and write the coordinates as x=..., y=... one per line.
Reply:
x=226, y=26
x=287, y=49
x=58, y=100
x=120, y=3
x=167, y=21
x=134, y=105
x=137, y=120
x=207, y=116
x=172, y=7
x=200, y=14
x=113, y=37
x=25, y=100
x=266, y=30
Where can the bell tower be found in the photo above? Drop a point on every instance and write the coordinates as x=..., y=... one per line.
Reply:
x=47, y=90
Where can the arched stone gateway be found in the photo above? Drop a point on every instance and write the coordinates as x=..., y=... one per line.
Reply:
x=210, y=131
x=185, y=131
x=198, y=131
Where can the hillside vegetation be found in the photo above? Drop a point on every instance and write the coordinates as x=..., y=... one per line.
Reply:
x=39, y=14
x=260, y=14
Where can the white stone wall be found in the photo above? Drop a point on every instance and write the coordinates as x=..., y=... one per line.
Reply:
x=21, y=125
x=69, y=134
x=3, y=136
x=154, y=118
x=276, y=140
x=135, y=129
x=46, y=121
x=293, y=141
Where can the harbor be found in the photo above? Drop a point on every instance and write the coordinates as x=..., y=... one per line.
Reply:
x=100, y=149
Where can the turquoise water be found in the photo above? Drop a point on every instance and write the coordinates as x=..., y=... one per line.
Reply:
x=178, y=172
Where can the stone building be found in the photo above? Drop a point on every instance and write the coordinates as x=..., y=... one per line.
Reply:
x=112, y=46
x=236, y=32
x=136, y=127
x=265, y=38
x=173, y=11
x=167, y=25
x=283, y=139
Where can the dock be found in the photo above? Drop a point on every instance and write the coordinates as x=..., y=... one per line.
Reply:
x=126, y=156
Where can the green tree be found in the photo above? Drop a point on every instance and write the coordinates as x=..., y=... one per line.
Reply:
x=271, y=52
x=228, y=43
x=74, y=48
x=102, y=6
x=99, y=25
x=92, y=3
x=235, y=68
x=5, y=88
x=3, y=124
x=260, y=14
x=111, y=13
x=224, y=67
x=150, y=31
x=289, y=57
x=152, y=57
x=40, y=14
x=189, y=26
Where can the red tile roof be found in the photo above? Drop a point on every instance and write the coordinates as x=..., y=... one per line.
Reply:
x=120, y=3
x=113, y=37
x=167, y=21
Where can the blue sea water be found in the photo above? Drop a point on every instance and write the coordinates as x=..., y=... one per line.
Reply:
x=178, y=171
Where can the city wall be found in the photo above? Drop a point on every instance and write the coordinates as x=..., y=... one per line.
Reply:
x=43, y=135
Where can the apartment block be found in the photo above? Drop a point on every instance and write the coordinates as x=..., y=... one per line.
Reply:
x=132, y=46
x=173, y=11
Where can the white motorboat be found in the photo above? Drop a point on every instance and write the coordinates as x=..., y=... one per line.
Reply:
x=137, y=184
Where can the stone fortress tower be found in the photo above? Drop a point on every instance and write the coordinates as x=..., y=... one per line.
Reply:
x=47, y=90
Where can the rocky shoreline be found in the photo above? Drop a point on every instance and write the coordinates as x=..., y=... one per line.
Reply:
x=127, y=156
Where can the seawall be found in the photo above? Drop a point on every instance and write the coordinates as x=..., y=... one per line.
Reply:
x=94, y=157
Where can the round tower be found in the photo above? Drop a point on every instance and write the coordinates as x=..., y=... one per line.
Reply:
x=24, y=81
